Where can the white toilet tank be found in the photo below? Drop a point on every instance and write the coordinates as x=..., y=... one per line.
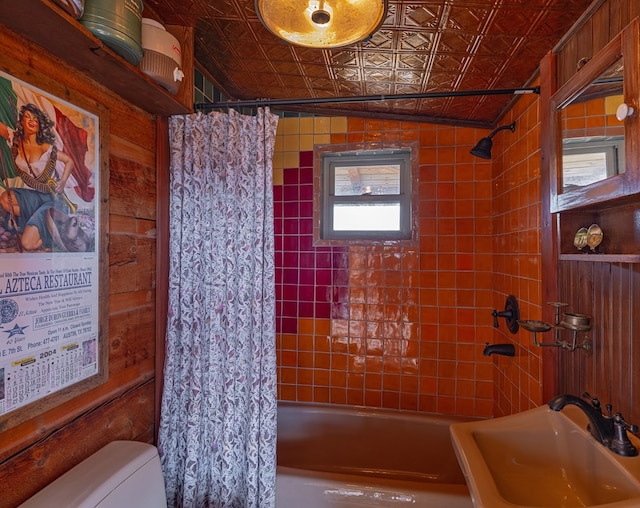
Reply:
x=123, y=474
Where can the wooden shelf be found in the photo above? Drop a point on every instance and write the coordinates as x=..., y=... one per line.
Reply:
x=621, y=240
x=601, y=258
x=49, y=26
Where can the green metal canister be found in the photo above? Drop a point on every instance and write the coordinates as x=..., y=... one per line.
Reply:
x=117, y=23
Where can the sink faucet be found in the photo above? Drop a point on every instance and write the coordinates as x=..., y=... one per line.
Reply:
x=601, y=427
x=608, y=430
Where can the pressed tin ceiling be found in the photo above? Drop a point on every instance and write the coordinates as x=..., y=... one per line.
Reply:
x=421, y=47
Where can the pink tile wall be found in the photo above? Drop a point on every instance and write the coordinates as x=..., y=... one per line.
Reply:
x=308, y=279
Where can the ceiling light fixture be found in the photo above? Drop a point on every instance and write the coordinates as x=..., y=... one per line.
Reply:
x=322, y=23
x=483, y=148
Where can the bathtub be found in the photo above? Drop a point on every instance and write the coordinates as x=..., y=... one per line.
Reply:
x=344, y=456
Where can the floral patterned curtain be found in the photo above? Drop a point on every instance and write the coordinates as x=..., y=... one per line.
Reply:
x=217, y=433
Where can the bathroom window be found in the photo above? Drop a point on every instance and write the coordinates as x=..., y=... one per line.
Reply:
x=366, y=195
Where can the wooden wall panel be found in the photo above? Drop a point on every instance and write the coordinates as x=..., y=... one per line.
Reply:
x=548, y=224
x=125, y=417
x=607, y=291
x=132, y=188
x=593, y=34
x=610, y=294
x=38, y=450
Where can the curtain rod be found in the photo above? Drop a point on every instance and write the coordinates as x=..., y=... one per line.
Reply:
x=362, y=98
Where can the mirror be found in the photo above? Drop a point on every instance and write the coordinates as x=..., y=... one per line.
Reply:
x=592, y=136
x=594, y=155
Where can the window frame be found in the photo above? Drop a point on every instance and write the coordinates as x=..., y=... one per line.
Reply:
x=329, y=160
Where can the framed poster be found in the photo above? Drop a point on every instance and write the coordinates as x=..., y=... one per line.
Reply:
x=51, y=275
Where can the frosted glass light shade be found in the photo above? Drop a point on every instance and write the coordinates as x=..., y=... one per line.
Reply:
x=322, y=23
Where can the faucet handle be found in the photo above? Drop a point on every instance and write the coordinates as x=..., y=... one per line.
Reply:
x=495, y=315
x=620, y=442
x=595, y=402
x=618, y=420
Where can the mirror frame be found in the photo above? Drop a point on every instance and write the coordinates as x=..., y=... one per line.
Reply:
x=625, y=44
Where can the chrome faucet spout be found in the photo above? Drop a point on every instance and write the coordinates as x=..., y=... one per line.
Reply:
x=600, y=426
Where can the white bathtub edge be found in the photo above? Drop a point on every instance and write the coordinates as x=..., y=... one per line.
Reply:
x=314, y=489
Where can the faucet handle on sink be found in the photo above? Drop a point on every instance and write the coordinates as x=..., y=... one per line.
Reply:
x=617, y=419
x=620, y=443
x=595, y=402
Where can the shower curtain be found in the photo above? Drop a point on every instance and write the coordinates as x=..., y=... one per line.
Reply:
x=217, y=433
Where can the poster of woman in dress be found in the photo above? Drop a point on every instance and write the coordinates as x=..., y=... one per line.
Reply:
x=48, y=165
x=49, y=244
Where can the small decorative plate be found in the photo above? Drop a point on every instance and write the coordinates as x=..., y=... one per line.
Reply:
x=594, y=236
x=580, y=240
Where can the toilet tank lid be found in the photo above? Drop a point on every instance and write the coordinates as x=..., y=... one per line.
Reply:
x=89, y=481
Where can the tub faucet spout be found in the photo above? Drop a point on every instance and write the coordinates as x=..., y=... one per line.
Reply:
x=600, y=426
x=499, y=349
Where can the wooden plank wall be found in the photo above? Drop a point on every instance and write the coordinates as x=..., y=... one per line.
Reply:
x=609, y=292
x=34, y=453
x=605, y=23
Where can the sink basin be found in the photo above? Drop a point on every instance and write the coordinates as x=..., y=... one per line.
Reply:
x=543, y=458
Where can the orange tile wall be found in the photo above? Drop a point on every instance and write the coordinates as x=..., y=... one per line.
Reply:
x=411, y=332
x=517, y=266
x=593, y=117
